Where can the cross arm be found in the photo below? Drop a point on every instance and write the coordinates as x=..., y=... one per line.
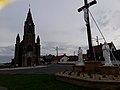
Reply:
x=87, y=5
x=92, y=3
x=80, y=9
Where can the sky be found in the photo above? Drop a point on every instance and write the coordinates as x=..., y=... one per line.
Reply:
x=58, y=24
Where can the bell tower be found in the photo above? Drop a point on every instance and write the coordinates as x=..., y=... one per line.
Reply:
x=29, y=41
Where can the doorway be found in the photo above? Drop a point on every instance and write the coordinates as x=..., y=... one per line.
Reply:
x=29, y=59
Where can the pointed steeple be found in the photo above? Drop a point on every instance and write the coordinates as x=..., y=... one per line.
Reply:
x=38, y=40
x=29, y=24
x=29, y=17
x=18, y=38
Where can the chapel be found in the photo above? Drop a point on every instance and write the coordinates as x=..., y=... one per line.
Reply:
x=27, y=51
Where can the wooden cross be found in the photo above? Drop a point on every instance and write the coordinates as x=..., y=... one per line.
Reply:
x=85, y=8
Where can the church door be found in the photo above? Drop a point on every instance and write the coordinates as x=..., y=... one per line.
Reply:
x=29, y=59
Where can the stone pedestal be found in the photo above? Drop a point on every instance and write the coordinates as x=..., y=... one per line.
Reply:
x=92, y=66
x=78, y=68
x=109, y=69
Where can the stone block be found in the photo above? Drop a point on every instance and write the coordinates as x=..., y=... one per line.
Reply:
x=92, y=66
x=109, y=70
x=77, y=68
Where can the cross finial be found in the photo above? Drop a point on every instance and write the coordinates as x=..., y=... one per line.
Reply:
x=29, y=5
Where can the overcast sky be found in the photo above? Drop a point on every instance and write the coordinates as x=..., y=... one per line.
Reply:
x=59, y=24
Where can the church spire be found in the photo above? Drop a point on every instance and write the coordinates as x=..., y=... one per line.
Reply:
x=18, y=38
x=29, y=24
x=38, y=40
x=29, y=17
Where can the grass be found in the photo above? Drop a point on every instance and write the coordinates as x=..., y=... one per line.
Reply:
x=6, y=65
x=2, y=66
x=35, y=82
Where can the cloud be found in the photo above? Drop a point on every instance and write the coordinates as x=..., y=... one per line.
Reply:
x=3, y=3
x=58, y=21
x=7, y=51
x=49, y=47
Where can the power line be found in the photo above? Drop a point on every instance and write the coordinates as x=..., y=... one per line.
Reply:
x=97, y=26
x=103, y=37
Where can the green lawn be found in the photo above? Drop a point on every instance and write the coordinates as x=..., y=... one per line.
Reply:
x=3, y=66
x=35, y=82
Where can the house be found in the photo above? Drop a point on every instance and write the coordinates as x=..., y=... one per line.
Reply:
x=98, y=51
x=56, y=59
x=48, y=58
x=64, y=59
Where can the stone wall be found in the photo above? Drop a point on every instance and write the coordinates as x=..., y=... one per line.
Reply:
x=100, y=85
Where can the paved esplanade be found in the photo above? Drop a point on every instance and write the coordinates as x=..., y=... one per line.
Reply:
x=48, y=69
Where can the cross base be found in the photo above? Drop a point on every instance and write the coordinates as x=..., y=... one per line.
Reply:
x=92, y=66
x=79, y=68
x=114, y=70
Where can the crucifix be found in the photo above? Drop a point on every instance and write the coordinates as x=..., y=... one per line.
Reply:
x=85, y=8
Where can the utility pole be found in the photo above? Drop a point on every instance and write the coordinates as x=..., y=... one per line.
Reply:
x=74, y=53
x=85, y=8
x=97, y=40
x=56, y=51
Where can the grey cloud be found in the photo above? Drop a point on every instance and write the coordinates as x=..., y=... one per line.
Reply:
x=50, y=47
x=58, y=21
x=7, y=51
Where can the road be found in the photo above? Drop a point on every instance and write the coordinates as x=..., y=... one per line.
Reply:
x=48, y=69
